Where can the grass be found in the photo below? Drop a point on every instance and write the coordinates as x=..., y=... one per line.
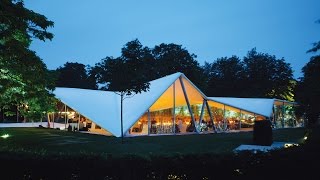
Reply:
x=34, y=153
x=55, y=142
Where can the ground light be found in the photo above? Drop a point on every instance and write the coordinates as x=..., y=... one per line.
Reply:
x=305, y=138
x=5, y=136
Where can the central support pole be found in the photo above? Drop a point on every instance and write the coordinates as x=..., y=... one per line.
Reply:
x=274, y=117
x=121, y=117
x=188, y=104
x=79, y=121
x=224, y=118
x=48, y=119
x=17, y=113
x=240, y=119
x=65, y=117
x=53, y=120
x=149, y=121
x=282, y=119
x=202, y=111
x=174, y=109
x=211, y=117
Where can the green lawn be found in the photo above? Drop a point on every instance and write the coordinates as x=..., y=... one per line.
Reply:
x=50, y=141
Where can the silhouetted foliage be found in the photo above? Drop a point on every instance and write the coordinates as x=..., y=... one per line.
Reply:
x=226, y=76
x=308, y=90
x=172, y=58
x=128, y=73
x=143, y=64
x=257, y=75
x=316, y=45
x=24, y=78
x=267, y=76
x=75, y=75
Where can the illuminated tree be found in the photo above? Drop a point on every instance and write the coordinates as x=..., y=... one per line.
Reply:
x=24, y=78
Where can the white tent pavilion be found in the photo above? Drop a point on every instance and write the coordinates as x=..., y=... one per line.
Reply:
x=172, y=105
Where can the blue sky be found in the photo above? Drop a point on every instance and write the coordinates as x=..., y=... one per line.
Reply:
x=87, y=31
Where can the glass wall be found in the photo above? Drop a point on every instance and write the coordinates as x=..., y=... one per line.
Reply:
x=161, y=121
x=229, y=118
x=277, y=116
x=284, y=116
x=217, y=110
x=247, y=120
x=141, y=126
x=232, y=118
x=206, y=124
x=196, y=110
x=183, y=120
x=289, y=118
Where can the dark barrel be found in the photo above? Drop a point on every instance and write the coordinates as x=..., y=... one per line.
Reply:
x=262, y=133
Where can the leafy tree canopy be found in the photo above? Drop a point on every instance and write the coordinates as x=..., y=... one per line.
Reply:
x=316, y=45
x=268, y=76
x=127, y=73
x=226, y=76
x=75, y=75
x=24, y=78
x=172, y=58
x=257, y=75
x=141, y=64
x=308, y=90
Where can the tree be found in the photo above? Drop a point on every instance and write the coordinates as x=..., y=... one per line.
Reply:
x=225, y=77
x=267, y=76
x=316, y=45
x=308, y=90
x=75, y=75
x=24, y=78
x=172, y=58
x=126, y=74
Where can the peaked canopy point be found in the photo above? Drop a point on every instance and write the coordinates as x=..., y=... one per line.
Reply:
x=172, y=105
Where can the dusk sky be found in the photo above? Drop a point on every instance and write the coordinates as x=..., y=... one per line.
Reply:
x=87, y=31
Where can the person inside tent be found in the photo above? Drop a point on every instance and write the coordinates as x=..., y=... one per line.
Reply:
x=190, y=127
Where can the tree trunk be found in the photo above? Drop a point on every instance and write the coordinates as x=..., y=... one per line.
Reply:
x=121, y=104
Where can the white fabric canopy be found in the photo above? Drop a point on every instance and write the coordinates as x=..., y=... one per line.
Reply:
x=261, y=106
x=102, y=107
